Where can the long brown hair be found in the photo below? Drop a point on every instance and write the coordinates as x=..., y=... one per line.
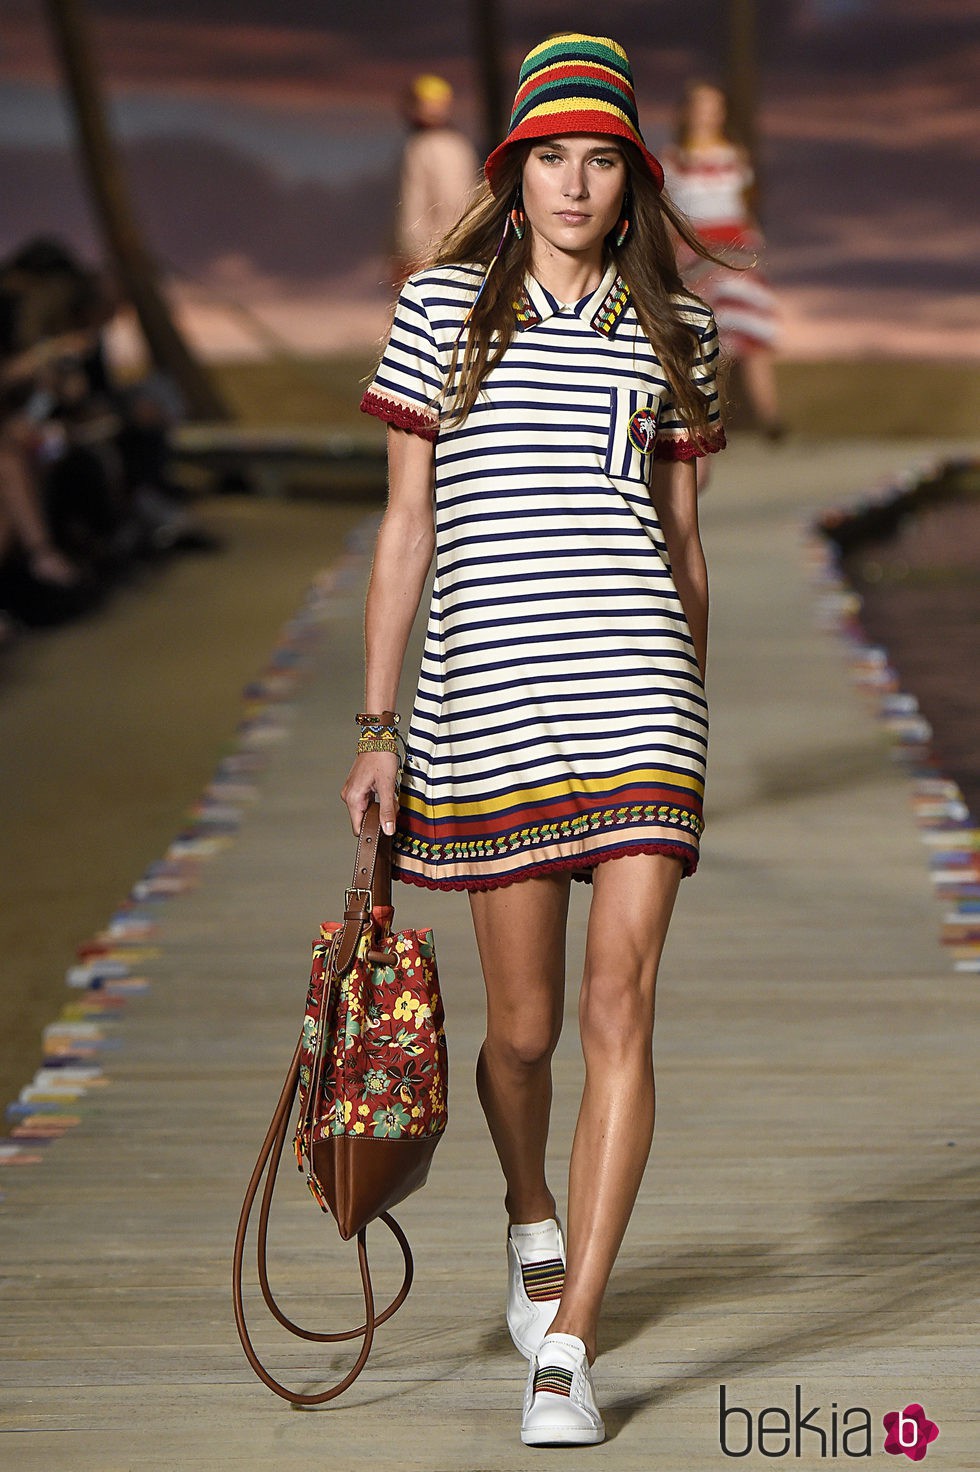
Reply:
x=646, y=261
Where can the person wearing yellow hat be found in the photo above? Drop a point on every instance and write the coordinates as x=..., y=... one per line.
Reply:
x=438, y=173
x=549, y=385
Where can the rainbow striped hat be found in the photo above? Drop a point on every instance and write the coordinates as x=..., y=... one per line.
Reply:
x=575, y=84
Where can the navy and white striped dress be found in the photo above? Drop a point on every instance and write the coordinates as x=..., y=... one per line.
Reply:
x=560, y=717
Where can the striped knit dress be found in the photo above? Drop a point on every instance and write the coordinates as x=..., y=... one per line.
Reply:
x=709, y=187
x=560, y=717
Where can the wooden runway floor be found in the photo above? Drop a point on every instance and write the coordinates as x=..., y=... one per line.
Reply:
x=809, y=1214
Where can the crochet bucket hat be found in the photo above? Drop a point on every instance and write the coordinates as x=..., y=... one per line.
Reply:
x=574, y=84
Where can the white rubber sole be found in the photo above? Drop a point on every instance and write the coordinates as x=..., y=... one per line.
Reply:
x=564, y=1436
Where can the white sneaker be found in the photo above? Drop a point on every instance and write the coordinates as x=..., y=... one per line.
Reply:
x=559, y=1403
x=536, y=1277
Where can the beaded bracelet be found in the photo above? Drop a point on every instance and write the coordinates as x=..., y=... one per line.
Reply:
x=368, y=744
x=378, y=732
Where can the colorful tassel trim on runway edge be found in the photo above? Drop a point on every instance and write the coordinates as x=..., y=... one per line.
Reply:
x=946, y=825
x=109, y=967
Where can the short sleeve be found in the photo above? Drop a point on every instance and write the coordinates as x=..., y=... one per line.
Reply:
x=674, y=440
x=409, y=379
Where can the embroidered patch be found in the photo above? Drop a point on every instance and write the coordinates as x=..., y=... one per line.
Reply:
x=612, y=308
x=642, y=430
x=526, y=313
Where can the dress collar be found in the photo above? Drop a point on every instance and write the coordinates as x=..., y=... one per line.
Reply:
x=602, y=308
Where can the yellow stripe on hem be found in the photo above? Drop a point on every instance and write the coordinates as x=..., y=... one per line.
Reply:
x=594, y=787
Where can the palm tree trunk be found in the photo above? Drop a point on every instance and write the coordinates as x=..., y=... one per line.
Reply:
x=486, y=44
x=742, y=79
x=109, y=193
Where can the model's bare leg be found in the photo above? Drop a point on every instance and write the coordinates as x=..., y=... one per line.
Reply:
x=21, y=515
x=631, y=908
x=520, y=931
x=759, y=377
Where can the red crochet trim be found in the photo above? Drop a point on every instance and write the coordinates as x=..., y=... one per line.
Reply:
x=687, y=449
x=555, y=866
x=400, y=415
x=740, y=344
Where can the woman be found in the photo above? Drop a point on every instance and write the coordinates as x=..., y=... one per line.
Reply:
x=39, y=585
x=544, y=448
x=437, y=175
x=711, y=180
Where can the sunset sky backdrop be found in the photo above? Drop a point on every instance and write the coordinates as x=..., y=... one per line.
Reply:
x=263, y=135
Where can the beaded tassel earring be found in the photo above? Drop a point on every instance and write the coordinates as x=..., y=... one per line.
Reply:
x=517, y=217
x=623, y=228
x=515, y=221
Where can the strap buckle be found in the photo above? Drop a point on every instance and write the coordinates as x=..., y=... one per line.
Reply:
x=354, y=890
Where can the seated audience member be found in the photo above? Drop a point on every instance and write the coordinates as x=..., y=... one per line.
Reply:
x=38, y=583
x=90, y=459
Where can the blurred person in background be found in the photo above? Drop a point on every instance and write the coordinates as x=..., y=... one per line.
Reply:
x=439, y=170
x=84, y=464
x=710, y=178
x=549, y=389
x=39, y=584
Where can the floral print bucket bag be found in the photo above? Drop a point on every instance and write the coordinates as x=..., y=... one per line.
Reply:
x=371, y=1073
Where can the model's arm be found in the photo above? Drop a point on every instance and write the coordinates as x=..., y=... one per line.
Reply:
x=30, y=361
x=674, y=491
x=401, y=564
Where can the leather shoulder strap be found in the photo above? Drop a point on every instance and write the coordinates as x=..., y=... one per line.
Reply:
x=372, y=861
x=370, y=887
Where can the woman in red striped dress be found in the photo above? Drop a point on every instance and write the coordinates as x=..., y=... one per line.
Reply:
x=710, y=178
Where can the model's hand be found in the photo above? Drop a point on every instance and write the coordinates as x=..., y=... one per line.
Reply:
x=49, y=566
x=372, y=775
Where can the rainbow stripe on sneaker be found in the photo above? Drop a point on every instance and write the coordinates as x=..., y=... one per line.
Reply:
x=543, y=1281
x=554, y=1380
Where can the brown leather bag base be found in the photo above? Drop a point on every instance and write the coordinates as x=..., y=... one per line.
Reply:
x=359, y=1181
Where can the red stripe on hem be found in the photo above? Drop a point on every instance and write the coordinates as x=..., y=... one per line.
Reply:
x=554, y=866
x=583, y=119
x=400, y=415
x=548, y=810
x=731, y=234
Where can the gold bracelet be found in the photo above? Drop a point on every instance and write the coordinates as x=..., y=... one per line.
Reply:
x=376, y=743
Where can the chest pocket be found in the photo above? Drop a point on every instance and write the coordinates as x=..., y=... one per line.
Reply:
x=632, y=434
